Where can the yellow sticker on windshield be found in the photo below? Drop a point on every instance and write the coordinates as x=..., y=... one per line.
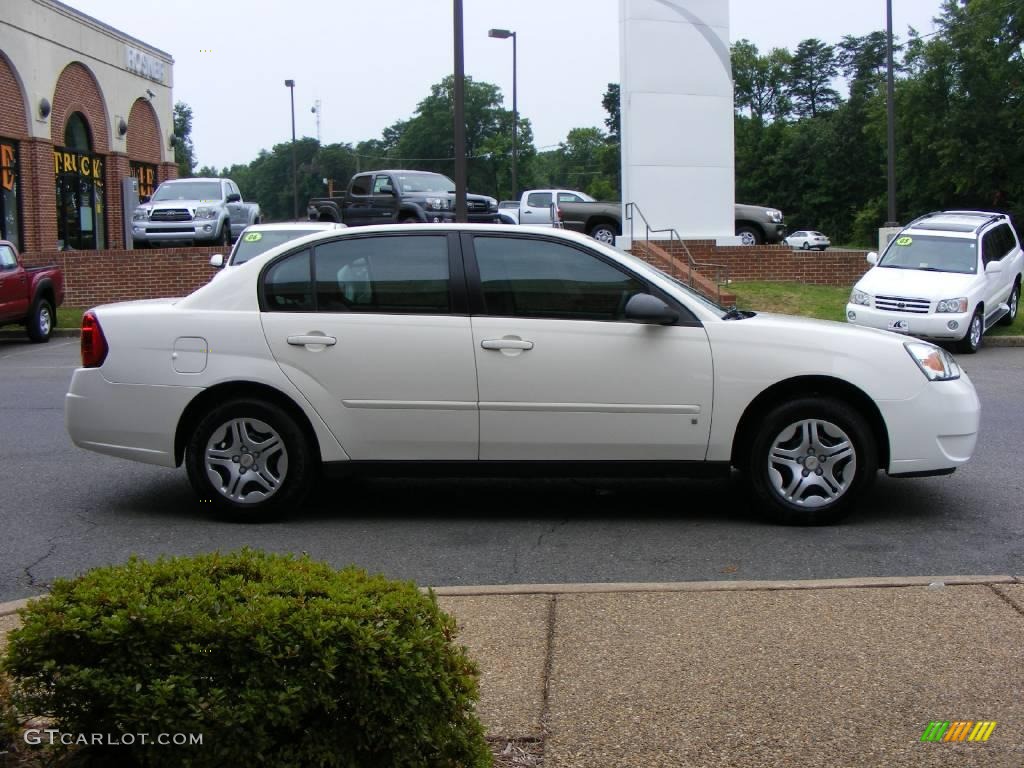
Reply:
x=904, y=240
x=253, y=237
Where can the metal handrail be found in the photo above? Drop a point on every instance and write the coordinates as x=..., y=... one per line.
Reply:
x=721, y=271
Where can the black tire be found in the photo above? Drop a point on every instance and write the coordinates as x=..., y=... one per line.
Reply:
x=811, y=502
x=293, y=466
x=973, y=337
x=1013, y=303
x=604, y=233
x=822, y=248
x=225, y=234
x=41, y=320
x=806, y=246
x=750, y=235
x=409, y=218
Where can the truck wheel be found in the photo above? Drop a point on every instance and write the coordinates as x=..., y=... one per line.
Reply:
x=604, y=233
x=971, y=342
x=1013, y=302
x=749, y=235
x=40, y=321
x=226, y=234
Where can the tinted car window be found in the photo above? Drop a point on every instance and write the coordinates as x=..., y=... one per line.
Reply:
x=7, y=258
x=991, y=249
x=380, y=182
x=287, y=286
x=361, y=185
x=537, y=278
x=398, y=274
x=539, y=200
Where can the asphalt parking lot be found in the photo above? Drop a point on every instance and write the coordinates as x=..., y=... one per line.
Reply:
x=64, y=510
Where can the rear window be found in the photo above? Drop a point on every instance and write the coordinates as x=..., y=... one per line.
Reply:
x=932, y=254
x=252, y=244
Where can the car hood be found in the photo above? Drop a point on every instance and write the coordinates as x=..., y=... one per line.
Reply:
x=915, y=283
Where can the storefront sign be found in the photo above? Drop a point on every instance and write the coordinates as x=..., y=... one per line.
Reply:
x=143, y=64
x=72, y=162
x=146, y=176
x=7, y=155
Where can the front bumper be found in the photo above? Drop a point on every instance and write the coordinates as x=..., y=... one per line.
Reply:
x=935, y=431
x=161, y=231
x=774, y=233
x=130, y=421
x=930, y=326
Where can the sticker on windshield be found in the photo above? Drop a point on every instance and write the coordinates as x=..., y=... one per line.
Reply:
x=904, y=240
x=253, y=237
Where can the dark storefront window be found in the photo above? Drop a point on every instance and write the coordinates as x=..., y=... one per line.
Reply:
x=10, y=221
x=81, y=212
x=146, y=176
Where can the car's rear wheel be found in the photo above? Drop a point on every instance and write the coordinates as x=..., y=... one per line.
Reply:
x=971, y=342
x=249, y=460
x=40, y=320
x=1012, y=303
x=810, y=460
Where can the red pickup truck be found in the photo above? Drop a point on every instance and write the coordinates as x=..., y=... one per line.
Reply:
x=29, y=296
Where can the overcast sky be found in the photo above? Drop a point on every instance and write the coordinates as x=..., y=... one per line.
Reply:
x=370, y=62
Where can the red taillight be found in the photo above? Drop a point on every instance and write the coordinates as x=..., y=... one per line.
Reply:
x=94, y=345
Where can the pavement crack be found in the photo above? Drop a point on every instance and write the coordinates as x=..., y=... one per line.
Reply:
x=549, y=660
x=30, y=577
x=551, y=529
x=1005, y=599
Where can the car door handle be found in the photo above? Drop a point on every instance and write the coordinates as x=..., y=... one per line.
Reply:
x=506, y=344
x=302, y=341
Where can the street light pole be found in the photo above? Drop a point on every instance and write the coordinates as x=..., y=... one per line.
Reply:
x=290, y=84
x=891, y=118
x=503, y=34
x=460, y=116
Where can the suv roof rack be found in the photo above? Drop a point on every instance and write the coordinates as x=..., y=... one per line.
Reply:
x=987, y=216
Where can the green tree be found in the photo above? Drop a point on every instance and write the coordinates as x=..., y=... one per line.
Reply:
x=184, y=151
x=810, y=78
x=611, y=103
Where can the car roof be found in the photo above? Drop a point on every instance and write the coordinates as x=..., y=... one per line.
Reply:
x=193, y=178
x=955, y=222
x=312, y=226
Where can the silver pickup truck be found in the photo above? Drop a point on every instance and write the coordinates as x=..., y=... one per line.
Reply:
x=193, y=211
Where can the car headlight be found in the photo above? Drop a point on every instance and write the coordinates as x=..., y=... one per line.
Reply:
x=935, y=363
x=438, y=203
x=859, y=297
x=952, y=305
x=206, y=213
x=774, y=215
x=140, y=214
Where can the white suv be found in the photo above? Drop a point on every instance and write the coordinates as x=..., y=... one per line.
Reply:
x=948, y=276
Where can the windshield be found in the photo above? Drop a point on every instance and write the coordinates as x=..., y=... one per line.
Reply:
x=252, y=244
x=424, y=182
x=934, y=254
x=188, y=190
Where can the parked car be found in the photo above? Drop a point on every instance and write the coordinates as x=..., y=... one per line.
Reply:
x=29, y=296
x=259, y=238
x=493, y=349
x=806, y=239
x=759, y=224
x=400, y=197
x=508, y=211
x=201, y=210
x=948, y=276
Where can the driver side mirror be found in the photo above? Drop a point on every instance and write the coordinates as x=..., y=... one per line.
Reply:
x=644, y=308
x=993, y=268
x=872, y=258
x=217, y=260
x=234, y=197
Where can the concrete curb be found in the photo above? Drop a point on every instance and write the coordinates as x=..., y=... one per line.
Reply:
x=723, y=586
x=6, y=609
x=1004, y=341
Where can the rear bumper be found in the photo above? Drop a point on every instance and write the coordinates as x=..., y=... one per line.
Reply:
x=108, y=418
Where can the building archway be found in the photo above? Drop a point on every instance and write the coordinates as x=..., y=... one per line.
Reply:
x=144, y=147
x=13, y=130
x=81, y=220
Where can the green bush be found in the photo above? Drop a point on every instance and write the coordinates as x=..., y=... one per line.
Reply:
x=275, y=660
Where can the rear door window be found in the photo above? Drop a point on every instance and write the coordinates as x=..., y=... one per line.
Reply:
x=361, y=184
x=287, y=285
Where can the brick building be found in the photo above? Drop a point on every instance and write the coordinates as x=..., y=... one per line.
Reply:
x=82, y=107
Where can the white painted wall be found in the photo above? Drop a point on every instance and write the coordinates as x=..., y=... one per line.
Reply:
x=678, y=157
x=42, y=37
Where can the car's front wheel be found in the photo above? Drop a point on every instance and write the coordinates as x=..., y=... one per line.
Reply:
x=248, y=459
x=971, y=342
x=749, y=235
x=810, y=459
x=806, y=246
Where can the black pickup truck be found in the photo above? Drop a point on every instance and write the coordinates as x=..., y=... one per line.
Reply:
x=389, y=197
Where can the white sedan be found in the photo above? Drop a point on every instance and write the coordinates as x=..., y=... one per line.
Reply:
x=457, y=348
x=806, y=239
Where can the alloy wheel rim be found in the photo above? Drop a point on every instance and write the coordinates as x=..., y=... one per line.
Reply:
x=1014, y=300
x=44, y=320
x=976, y=331
x=246, y=461
x=747, y=239
x=604, y=236
x=812, y=463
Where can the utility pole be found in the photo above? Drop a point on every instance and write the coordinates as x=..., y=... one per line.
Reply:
x=891, y=118
x=460, y=116
x=290, y=84
x=316, y=111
